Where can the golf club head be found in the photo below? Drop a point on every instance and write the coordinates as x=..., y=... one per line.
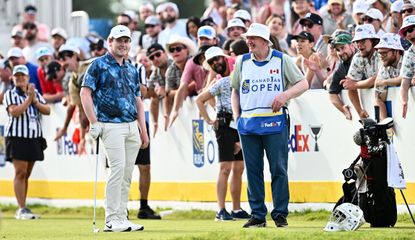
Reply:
x=95, y=230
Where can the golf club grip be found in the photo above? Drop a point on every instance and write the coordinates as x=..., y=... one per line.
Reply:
x=97, y=149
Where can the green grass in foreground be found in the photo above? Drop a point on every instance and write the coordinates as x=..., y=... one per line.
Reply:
x=76, y=223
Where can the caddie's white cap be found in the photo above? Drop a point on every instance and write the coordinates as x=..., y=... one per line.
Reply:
x=206, y=31
x=120, y=31
x=211, y=53
x=407, y=22
x=258, y=30
x=43, y=51
x=375, y=14
x=235, y=22
x=364, y=31
x=397, y=6
x=70, y=48
x=20, y=69
x=15, y=52
x=390, y=41
x=60, y=32
x=243, y=14
x=360, y=6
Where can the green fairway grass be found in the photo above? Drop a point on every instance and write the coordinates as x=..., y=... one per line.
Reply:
x=76, y=223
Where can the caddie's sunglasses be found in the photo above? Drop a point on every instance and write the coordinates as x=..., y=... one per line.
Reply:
x=408, y=11
x=155, y=55
x=212, y=60
x=176, y=49
x=408, y=30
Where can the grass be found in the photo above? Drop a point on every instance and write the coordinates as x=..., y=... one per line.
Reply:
x=76, y=223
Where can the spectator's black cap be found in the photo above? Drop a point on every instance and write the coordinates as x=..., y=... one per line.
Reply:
x=154, y=48
x=207, y=22
x=304, y=35
x=199, y=53
x=30, y=9
x=313, y=18
x=51, y=70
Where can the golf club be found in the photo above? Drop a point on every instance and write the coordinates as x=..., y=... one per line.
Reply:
x=94, y=228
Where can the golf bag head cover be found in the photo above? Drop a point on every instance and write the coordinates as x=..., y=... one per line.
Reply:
x=346, y=217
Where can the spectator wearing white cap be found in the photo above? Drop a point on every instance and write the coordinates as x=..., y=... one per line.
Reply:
x=23, y=134
x=364, y=66
x=17, y=39
x=173, y=26
x=152, y=28
x=375, y=17
x=230, y=160
x=360, y=7
x=256, y=104
x=5, y=78
x=235, y=28
x=244, y=15
x=384, y=7
x=32, y=43
x=336, y=17
x=194, y=77
x=408, y=67
x=407, y=9
x=15, y=57
x=390, y=50
x=145, y=10
x=112, y=102
x=59, y=37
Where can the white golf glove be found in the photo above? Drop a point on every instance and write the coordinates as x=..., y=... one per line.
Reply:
x=95, y=130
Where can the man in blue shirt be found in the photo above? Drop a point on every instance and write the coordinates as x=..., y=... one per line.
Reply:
x=110, y=96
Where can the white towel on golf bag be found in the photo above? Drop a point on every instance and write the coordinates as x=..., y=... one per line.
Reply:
x=396, y=178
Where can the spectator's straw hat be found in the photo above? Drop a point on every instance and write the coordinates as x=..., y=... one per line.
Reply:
x=364, y=31
x=43, y=51
x=14, y=52
x=375, y=14
x=207, y=32
x=120, y=31
x=235, y=22
x=360, y=6
x=182, y=40
x=408, y=21
x=397, y=6
x=242, y=14
x=59, y=32
x=390, y=41
x=20, y=69
x=258, y=30
x=211, y=53
x=330, y=2
x=69, y=48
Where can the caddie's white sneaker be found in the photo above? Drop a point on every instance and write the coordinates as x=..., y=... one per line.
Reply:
x=134, y=227
x=117, y=226
x=25, y=214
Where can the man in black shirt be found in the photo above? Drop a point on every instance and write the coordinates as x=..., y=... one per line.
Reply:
x=345, y=50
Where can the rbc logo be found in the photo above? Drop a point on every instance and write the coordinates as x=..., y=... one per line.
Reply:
x=245, y=86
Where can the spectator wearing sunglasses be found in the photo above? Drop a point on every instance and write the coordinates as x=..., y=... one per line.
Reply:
x=152, y=27
x=313, y=24
x=374, y=17
x=194, y=76
x=30, y=15
x=30, y=31
x=180, y=49
x=157, y=81
x=364, y=66
x=360, y=7
x=383, y=6
x=408, y=68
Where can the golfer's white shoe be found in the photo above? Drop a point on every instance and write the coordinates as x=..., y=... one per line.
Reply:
x=117, y=226
x=25, y=214
x=134, y=227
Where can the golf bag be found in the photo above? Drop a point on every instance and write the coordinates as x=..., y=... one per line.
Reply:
x=366, y=179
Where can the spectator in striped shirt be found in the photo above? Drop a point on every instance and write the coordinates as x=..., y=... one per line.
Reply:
x=23, y=134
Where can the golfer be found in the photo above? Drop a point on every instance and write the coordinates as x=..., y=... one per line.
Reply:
x=110, y=96
x=263, y=81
